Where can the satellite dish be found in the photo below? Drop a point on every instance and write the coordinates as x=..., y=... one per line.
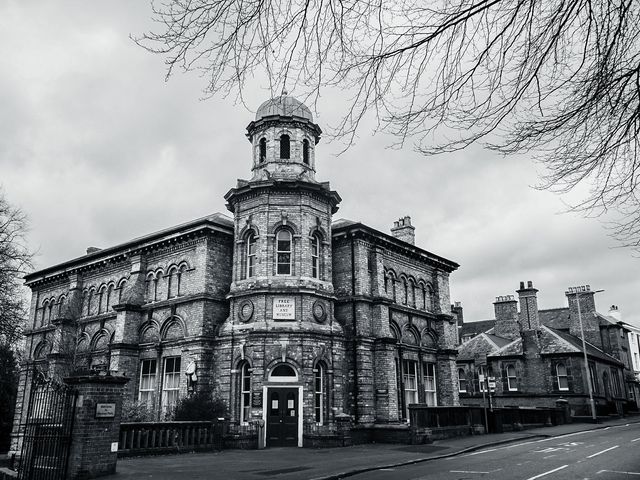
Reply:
x=191, y=368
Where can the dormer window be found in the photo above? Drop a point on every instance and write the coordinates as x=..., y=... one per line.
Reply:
x=285, y=147
x=263, y=150
x=305, y=151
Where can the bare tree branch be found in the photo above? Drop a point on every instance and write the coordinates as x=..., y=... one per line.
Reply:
x=559, y=78
x=15, y=261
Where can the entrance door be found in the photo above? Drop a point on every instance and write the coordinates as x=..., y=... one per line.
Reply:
x=282, y=417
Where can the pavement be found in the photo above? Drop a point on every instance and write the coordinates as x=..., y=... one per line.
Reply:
x=327, y=463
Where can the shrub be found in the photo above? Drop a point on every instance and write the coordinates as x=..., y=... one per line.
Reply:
x=137, y=412
x=200, y=406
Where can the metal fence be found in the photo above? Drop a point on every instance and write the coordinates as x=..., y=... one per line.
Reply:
x=47, y=428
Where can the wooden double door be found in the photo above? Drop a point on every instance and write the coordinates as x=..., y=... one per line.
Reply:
x=282, y=417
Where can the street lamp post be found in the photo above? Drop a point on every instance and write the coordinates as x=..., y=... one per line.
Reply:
x=578, y=291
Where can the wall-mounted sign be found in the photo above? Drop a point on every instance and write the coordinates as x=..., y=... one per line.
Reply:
x=284, y=308
x=256, y=399
x=105, y=410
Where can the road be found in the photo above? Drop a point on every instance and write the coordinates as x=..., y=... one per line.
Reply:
x=611, y=453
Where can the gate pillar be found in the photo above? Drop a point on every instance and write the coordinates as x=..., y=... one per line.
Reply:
x=96, y=427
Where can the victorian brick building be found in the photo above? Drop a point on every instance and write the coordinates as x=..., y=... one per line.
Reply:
x=536, y=356
x=283, y=313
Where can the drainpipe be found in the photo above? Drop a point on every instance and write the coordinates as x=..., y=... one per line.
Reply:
x=353, y=318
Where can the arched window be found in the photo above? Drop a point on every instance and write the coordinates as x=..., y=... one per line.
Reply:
x=50, y=312
x=283, y=252
x=413, y=294
x=171, y=283
x=315, y=256
x=43, y=313
x=156, y=280
x=101, y=299
x=121, y=287
x=512, y=380
x=285, y=147
x=319, y=390
x=61, y=306
x=179, y=276
x=462, y=381
x=430, y=300
x=263, y=150
x=245, y=393
x=305, y=151
x=561, y=374
x=110, y=289
x=251, y=254
x=90, y=302
x=405, y=286
x=283, y=373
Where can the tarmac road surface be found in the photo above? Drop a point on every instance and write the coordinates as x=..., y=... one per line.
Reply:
x=612, y=453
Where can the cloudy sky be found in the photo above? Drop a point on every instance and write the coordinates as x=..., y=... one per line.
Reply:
x=97, y=148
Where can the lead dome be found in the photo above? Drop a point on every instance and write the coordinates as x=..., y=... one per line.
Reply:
x=286, y=106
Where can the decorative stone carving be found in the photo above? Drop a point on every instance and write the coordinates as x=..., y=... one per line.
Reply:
x=245, y=311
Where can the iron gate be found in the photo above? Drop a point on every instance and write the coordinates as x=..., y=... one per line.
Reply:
x=47, y=429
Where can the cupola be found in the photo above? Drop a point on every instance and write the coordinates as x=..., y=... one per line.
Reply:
x=283, y=136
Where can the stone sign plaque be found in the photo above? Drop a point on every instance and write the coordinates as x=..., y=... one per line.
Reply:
x=105, y=410
x=284, y=308
x=256, y=399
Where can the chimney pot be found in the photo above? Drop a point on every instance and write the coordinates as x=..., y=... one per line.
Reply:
x=529, y=284
x=521, y=285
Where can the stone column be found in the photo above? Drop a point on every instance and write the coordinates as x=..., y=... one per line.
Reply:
x=96, y=427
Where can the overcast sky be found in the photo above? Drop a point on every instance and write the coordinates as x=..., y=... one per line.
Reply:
x=97, y=149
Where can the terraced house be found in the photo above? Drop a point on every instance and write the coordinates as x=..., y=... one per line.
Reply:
x=287, y=315
x=536, y=356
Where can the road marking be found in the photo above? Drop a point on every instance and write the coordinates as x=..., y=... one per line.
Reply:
x=547, y=473
x=467, y=471
x=616, y=471
x=482, y=451
x=603, y=451
x=635, y=439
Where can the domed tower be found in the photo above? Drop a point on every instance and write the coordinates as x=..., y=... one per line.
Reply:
x=284, y=137
x=281, y=339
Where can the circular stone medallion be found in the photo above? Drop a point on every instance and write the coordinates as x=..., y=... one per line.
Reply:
x=319, y=311
x=245, y=312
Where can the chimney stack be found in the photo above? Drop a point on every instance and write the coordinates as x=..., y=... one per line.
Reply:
x=529, y=318
x=590, y=323
x=506, y=308
x=615, y=313
x=403, y=230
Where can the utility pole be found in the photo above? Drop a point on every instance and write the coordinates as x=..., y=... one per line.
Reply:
x=578, y=291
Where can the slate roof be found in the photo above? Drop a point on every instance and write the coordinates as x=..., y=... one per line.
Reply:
x=474, y=328
x=555, y=317
x=552, y=341
x=478, y=346
x=591, y=350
